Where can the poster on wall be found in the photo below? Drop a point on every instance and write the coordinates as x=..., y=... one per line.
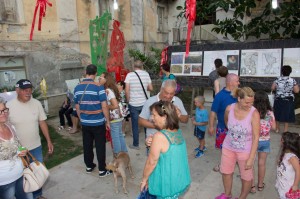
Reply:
x=230, y=59
x=260, y=62
x=189, y=66
x=291, y=56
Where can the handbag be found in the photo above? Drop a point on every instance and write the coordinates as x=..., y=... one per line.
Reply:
x=146, y=195
x=293, y=194
x=35, y=174
x=178, y=87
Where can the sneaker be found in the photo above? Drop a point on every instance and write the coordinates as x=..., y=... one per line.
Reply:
x=104, y=173
x=89, y=170
x=197, y=149
x=199, y=154
x=134, y=147
x=223, y=196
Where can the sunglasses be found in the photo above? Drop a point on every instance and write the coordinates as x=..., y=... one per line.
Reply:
x=4, y=111
x=161, y=104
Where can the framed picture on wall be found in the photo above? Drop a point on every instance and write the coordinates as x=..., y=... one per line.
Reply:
x=261, y=62
x=291, y=56
x=230, y=59
x=187, y=66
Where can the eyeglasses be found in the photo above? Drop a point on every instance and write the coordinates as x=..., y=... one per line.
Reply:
x=4, y=111
x=161, y=104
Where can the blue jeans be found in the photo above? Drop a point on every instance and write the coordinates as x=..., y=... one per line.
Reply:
x=134, y=113
x=38, y=154
x=117, y=137
x=14, y=189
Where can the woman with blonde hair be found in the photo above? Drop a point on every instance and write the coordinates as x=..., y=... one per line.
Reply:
x=241, y=141
x=113, y=99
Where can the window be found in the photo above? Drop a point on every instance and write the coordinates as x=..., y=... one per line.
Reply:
x=8, y=11
x=11, y=70
x=160, y=15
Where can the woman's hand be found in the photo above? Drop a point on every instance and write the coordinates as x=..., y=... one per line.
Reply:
x=144, y=185
x=22, y=153
x=249, y=164
x=149, y=140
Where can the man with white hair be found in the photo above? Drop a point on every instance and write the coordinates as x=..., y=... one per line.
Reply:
x=167, y=93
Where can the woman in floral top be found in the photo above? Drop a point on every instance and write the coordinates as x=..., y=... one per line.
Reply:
x=11, y=167
x=116, y=118
x=267, y=123
x=284, y=108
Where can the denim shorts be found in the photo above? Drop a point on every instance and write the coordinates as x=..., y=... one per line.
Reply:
x=198, y=133
x=264, y=146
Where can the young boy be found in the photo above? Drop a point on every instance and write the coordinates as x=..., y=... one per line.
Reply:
x=200, y=121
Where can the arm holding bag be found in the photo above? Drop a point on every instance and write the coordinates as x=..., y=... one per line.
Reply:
x=35, y=174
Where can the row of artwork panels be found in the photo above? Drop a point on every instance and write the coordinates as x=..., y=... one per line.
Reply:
x=252, y=62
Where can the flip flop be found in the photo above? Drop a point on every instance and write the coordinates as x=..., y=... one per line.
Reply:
x=253, y=190
x=261, y=188
x=73, y=132
x=69, y=128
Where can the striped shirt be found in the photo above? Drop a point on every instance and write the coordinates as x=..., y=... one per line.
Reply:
x=90, y=104
x=136, y=93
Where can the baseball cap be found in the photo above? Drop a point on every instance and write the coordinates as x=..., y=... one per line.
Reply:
x=23, y=84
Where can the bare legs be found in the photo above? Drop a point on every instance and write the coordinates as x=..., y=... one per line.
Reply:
x=262, y=157
x=285, y=128
x=246, y=186
x=227, y=183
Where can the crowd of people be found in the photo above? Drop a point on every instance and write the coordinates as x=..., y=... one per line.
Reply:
x=244, y=121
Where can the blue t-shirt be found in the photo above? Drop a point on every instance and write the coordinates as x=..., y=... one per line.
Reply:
x=201, y=115
x=171, y=76
x=221, y=101
x=93, y=95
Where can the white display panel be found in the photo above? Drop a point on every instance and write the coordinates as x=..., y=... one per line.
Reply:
x=260, y=62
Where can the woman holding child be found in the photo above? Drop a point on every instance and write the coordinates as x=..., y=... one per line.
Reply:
x=166, y=172
x=240, y=144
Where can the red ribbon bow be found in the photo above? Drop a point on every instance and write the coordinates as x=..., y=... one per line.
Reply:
x=42, y=5
x=191, y=16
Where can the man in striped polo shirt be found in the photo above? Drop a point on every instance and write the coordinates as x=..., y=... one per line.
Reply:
x=137, y=96
x=92, y=110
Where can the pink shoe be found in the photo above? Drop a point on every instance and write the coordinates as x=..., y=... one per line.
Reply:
x=223, y=196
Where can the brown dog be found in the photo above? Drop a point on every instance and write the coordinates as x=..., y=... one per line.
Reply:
x=118, y=166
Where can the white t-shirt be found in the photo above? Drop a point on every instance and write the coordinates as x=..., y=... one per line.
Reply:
x=25, y=117
x=136, y=93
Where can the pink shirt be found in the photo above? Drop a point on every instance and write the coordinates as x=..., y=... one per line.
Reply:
x=265, y=126
x=239, y=135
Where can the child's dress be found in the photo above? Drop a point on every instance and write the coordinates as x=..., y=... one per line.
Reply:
x=285, y=175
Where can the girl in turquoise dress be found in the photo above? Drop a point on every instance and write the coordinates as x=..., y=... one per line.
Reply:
x=166, y=172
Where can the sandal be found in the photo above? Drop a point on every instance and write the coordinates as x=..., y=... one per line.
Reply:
x=216, y=168
x=253, y=190
x=73, y=132
x=261, y=188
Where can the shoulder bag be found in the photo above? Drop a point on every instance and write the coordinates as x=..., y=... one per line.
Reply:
x=35, y=174
x=142, y=85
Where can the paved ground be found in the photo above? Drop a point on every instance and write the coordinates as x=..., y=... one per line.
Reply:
x=69, y=179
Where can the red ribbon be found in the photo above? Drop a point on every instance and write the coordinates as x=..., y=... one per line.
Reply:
x=191, y=16
x=42, y=5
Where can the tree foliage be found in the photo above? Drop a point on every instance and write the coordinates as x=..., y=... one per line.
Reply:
x=280, y=23
x=151, y=60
